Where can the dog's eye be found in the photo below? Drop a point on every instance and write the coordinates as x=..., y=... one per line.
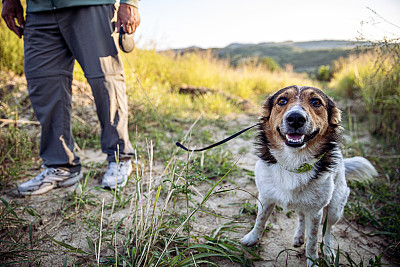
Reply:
x=316, y=102
x=282, y=101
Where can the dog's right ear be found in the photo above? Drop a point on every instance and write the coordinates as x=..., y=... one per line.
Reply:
x=267, y=107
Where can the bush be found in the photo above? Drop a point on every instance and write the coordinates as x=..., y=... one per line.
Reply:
x=324, y=73
x=269, y=63
x=375, y=77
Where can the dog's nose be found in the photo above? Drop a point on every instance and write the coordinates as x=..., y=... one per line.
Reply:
x=296, y=120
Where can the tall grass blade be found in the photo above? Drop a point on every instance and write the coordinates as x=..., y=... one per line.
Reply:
x=10, y=209
x=336, y=262
x=67, y=246
x=100, y=234
x=209, y=193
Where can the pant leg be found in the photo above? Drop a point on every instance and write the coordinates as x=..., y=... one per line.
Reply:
x=90, y=35
x=48, y=68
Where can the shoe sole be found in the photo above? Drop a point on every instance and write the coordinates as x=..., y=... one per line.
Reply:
x=47, y=188
x=39, y=191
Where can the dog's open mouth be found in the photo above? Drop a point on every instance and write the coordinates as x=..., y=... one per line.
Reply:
x=296, y=139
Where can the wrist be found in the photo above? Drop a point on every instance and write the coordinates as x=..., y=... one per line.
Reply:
x=2, y=1
x=134, y=3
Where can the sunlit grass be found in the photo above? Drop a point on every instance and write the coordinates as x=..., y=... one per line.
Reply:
x=163, y=74
x=11, y=50
x=375, y=78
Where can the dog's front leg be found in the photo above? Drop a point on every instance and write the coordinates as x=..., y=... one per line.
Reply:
x=265, y=209
x=298, y=238
x=313, y=220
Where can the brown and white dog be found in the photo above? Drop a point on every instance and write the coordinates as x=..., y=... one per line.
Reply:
x=301, y=166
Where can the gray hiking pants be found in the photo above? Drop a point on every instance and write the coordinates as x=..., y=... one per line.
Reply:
x=52, y=42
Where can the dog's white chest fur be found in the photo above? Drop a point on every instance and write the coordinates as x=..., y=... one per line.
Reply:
x=290, y=190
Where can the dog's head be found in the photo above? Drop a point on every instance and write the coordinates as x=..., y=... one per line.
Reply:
x=299, y=117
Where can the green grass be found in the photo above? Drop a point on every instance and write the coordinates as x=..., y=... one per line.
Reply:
x=17, y=238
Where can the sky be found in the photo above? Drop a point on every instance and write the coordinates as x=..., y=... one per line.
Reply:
x=167, y=24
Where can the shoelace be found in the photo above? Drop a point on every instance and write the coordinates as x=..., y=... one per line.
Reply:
x=56, y=171
x=113, y=166
x=41, y=176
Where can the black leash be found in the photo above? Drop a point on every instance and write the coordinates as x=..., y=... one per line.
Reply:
x=219, y=143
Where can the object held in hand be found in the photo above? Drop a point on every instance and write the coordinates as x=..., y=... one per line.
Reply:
x=126, y=42
x=20, y=30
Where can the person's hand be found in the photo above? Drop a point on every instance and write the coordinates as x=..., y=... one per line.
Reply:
x=12, y=9
x=128, y=17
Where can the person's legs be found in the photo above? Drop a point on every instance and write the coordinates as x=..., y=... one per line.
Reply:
x=89, y=32
x=48, y=69
x=90, y=35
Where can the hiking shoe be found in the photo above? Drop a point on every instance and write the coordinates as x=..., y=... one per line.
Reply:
x=116, y=175
x=49, y=178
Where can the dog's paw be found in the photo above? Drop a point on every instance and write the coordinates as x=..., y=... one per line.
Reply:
x=311, y=263
x=329, y=254
x=250, y=239
x=298, y=241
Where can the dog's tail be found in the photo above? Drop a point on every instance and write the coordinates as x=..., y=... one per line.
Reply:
x=359, y=168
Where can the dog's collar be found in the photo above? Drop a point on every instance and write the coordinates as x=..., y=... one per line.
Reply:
x=304, y=167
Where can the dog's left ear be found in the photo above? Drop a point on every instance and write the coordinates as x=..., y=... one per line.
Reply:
x=334, y=114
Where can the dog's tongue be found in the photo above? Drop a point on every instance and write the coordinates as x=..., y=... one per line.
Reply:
x=295, y=136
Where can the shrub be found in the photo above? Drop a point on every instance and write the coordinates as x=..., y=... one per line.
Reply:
x=375, y=77
x=269, y=63
x=324, y=73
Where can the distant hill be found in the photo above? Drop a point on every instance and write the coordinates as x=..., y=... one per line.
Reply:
x=303, y=56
